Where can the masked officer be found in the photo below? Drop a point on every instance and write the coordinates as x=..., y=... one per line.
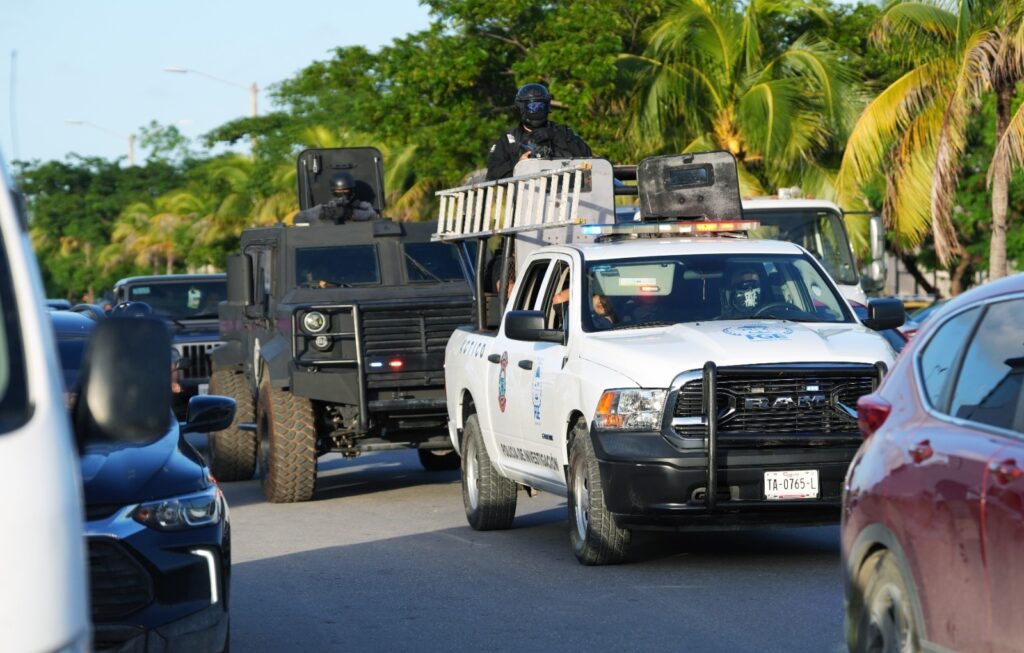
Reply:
x=534, y=137
x=342, y=207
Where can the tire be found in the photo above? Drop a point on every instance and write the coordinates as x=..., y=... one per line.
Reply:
x=489, y=498
x=232, y=452
x=439, y=460
x=885, y=617
x=287, y=436
x=594, y=537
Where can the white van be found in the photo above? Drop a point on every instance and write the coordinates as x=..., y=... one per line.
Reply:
x=43, y=583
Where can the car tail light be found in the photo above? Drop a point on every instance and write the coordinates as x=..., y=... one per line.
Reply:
x=872, y=412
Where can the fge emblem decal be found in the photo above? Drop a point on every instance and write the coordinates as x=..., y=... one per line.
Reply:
x=501, y=381
x=759, y=332
x=535, y=388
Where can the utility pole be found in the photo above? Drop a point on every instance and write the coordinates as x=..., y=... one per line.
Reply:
x=253, y=88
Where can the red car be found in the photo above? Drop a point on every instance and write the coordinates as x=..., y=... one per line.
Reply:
x=933, y=504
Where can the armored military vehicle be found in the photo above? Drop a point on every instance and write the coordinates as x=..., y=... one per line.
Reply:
x=335, y=336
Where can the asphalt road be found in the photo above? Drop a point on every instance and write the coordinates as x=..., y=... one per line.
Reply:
x=383, y=560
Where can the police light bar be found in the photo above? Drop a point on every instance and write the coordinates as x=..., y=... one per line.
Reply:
x=672, y=228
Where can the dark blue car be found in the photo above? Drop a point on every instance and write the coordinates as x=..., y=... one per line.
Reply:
x=157, y=526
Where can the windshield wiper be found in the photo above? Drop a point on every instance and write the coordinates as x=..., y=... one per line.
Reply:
x=202, y=316
x=419, y=266
x=639, y=325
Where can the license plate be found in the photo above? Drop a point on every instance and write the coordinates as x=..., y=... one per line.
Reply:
x=204, y=388
x=796, y=484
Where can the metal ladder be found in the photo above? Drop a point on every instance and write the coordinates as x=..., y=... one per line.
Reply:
x=506, y=206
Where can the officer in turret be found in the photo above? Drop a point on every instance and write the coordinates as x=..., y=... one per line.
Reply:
x=534, y=137
x=341, y=208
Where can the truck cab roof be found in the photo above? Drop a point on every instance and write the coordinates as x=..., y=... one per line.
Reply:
x=646, y=247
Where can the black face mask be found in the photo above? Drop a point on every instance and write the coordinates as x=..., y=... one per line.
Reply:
x=535, y=113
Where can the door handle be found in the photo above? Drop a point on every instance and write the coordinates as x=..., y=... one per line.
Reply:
x=526, y=365
x=493, y=358
x=1005, y=472
x=921, y=451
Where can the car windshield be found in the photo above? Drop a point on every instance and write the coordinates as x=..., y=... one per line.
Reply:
x=820, y=232
x=336, y=266
x=635, y=293
x=432, y=262
x=181, y=300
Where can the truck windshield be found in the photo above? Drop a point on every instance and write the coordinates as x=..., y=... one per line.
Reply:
x=181, y=300
x=820, y=232
x=636, y=293
x=432, y=262
x=338, y=266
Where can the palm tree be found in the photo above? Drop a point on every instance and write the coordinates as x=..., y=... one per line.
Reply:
x=707, y=80
x=915, y=130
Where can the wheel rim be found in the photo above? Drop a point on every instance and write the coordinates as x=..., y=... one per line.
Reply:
x=581, y=501
x=889, y=630
x=471, y=475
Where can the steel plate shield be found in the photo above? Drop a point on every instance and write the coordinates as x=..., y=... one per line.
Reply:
x=794, y=484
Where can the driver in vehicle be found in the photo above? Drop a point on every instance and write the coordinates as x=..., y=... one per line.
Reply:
x=744, y=295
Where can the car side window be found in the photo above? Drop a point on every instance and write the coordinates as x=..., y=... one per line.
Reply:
x=988, y=389
x=557, y=301
x=14, y=405
x=942, y=355
x=526, y=298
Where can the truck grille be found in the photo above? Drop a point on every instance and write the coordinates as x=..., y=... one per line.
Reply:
x=119, y=585
x=769, y=405
x=198, y=355
x=416, y=329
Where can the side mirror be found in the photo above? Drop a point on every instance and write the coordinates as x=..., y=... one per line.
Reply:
x=529, y=326
x=885, y=313
x=125, y=384
x=208, y=413
x=239, y=268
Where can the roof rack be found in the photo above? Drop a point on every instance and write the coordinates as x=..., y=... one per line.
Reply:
x=538, y=200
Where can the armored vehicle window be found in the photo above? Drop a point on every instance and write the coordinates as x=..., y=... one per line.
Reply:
x=181, y=300
x=432, y=262
x=635, y=293
x=341, y=265
x=820, y=232
x=14, y=407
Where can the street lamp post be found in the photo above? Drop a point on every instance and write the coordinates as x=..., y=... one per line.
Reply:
x=130, y=137
x=252, y=88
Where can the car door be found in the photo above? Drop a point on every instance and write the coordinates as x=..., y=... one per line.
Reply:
x=509, y=378
x=936, y=485
x=988, y=398
x=542, y=424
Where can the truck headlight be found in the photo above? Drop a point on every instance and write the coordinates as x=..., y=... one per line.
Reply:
x=187, y=511
x=314, y=322
x=630, y=409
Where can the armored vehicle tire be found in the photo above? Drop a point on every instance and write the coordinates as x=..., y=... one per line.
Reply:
x=489, y=498
x=287, y=437
x=439, y=460
x=232, y=452
x=595, y=538
x=884, y=617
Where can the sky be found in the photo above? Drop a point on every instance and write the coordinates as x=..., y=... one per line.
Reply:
x=102, y=61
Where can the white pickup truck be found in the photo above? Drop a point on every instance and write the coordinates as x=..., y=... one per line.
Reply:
x=678, y=381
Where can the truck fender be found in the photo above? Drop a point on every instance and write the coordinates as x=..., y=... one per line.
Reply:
x=228, y=356
x=276, y=355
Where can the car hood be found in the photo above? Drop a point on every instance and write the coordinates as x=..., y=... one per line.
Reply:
x=122, y=474
x=653, y=357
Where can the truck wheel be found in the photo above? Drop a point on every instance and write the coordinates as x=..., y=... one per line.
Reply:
x=886, y=619
x=438, y=460
x=232, y=452
x=490, y=498
x=287, y=437
x=595, y=538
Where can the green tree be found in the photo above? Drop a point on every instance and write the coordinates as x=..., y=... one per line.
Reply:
x=916, y=129
x=709, y=79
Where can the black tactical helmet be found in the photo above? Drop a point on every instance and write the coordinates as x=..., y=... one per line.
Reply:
x=342, y=182
x=132, y=309
x=534, y=103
